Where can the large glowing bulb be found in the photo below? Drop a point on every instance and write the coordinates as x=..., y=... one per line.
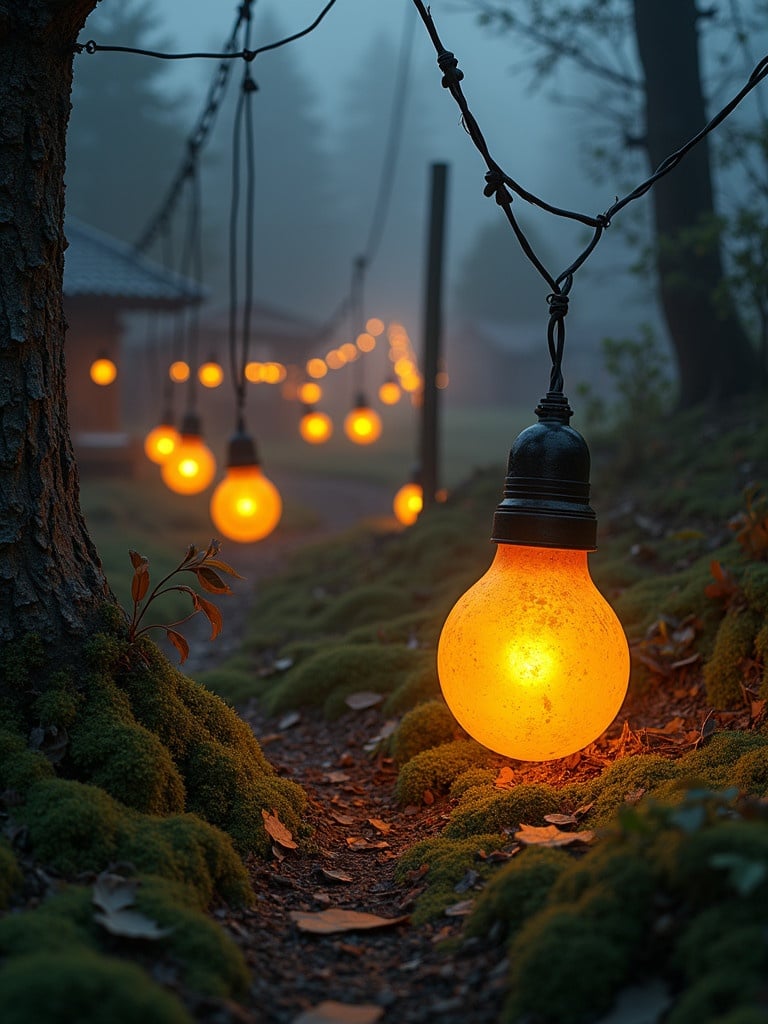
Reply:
x=160, y=442
x=532, y=660
x=246, y=506
x=191, y=466
x=103, y=371
x=362, y=425
x=315, y=427
x=408, y=503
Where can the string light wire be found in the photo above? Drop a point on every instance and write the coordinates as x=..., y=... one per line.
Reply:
x=502, y=186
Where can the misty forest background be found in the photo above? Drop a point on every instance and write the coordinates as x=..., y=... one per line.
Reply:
x=318, y=177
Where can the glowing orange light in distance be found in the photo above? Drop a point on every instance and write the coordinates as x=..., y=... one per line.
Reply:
x=366, y=342
x=315, y=427
x=362, y=425
x=375, y=326
x=335, y=359
x=191, y=466
x=160, y=442
x=389, y=392
x=316, y=368
x=246, y=506
x=408, y=503
x=210, y=374
x=178, y=371
x=103, y=371
x=309, y=392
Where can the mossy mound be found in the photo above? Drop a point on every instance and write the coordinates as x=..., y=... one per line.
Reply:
x=435, y=769
x=498, y=810
x=335, y=672
x=10, y=874
x=84, y=986
x=449, y=862
x=427, y=725
x=417, y=686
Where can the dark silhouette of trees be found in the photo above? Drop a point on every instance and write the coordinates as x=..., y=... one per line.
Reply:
x=644, y=54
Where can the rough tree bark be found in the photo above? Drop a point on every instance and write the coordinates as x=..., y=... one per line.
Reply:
x=715, y=358
x=51, y=581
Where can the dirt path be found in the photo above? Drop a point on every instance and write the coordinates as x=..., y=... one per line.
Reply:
x=395, y=974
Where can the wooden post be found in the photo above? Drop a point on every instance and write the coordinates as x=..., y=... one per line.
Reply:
x=430, y=433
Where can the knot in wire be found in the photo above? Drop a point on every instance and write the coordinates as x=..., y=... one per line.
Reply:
x=496, y=186
x=558, y=309
x=448, y=64
x=249, y=85
x=248, y=56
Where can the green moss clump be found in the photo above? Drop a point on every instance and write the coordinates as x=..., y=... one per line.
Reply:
x=20, y=767
x=343, y=670
x=498, y=809
x=427, y=725
x=716, y=997
x=449, y=861
x=473, y=778
x=111, y=750
x=628, y=777
x=10, y=874
x=750, y=773
x=81, y=985
x=75, y=827
x=713, y=764
x=730, y=932
x=213, y=964
x=72, y=826
x=435, y=769
x=361, y=606
x=564, y=970
x=717, y=863
x=519, y=890
x=734, y=643
x=417, y=687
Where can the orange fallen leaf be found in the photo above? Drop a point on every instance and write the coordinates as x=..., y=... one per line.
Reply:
x=505, y=779
x=335, y=876
x=550, y=835
x=277, y=830
x=381, y=826
x=328, y=922
x=331, y=1012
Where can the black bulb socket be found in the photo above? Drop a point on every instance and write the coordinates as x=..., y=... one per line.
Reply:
x=191, y=425
x=241, y=450
x=546, y=492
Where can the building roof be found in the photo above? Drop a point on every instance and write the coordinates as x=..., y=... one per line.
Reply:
x=98, y=265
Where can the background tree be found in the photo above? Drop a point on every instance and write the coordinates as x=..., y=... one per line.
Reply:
x=127, y=130
x=647, y=53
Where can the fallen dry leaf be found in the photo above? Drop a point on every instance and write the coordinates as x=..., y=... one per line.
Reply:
x=337, y=777
x=561, y=819
x=505, y=779
x=461, y=909
x=328, y=922
x=343, y=819
x=550, y=835
x=361, y=843
x=113, y=892
x=131, y=924
x=330, y=1012
x=289, y=720
x=336, y=876
x=277, y=830
x=363, y=700
x=381, y=826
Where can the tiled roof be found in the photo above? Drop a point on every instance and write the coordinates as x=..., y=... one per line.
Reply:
x=96, y=264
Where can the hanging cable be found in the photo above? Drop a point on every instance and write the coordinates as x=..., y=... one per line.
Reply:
x=501, y=186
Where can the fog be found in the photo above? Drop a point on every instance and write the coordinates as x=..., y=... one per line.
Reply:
x=349, y=60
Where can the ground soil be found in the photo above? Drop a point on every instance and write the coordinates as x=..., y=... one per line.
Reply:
x=400, y=973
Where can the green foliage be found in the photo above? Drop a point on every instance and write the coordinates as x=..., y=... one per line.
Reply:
x=20, y=767
x=734, y=644
x=473, y=778
x=499, y=809
x=435, y=769
x=713, y=765
x=361, y=606
x=718, y=997
x=516, y=892
x=628, y=779
x=60, y=987
x=449, y=862
x=427, y=725
x=338, y=671
x=10, y=874
x=564, y=970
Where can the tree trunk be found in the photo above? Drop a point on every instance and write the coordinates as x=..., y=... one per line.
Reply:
x=51, y=581
x=714, y=356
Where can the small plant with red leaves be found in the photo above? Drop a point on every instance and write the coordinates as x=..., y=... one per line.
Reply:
x=751, y=525
x=206, y=566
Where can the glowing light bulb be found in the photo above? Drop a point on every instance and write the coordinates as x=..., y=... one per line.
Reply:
x=161, y=441
x=389, y=392
x=315, y=427
x=532, y=660
x=309, y=392
x=103, y=371
x=191, y=466
x=362, y=425
x=210, y=373
x=408, y=503
x=316, y=368
x=179, y=371
x=246, y=506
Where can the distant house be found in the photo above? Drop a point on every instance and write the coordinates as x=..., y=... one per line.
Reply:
x=104, y=279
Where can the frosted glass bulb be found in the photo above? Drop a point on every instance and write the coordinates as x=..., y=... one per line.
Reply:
x=532, y=660
x=160, y=442
x=191, y=467
x=408, y=503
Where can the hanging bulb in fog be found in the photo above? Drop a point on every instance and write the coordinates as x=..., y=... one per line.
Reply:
x=245, y=506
